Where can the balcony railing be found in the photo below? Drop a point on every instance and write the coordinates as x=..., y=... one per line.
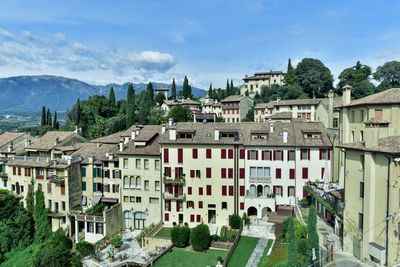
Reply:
x=3, y=175
x=56, y=179
x=256, y=179
x=169, y=196
x=174, y=180
x=260, y=196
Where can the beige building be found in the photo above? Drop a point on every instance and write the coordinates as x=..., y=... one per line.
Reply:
x=369, y=163
x=191, y=104
x=253, y=84
x=140, y=164
x=236, y=107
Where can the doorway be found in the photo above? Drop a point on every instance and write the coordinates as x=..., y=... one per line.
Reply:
x=140, y=220
x=212, y=216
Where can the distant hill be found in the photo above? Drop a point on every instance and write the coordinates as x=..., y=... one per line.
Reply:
x=29, y=93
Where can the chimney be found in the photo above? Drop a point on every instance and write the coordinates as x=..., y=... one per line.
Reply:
x=10, y=147
x=278, y=99
x=172, y=134
x=271, y=126
x=98, y=144
x=133, y=135
x=57, y=141
x=216, y=135
x=137, y=131
x=246, y=75
x=121, y=145
x=163, y=129
x=170, y=121
x=330, y=109
x=27, y=142
x=90, y=159
x=285, y=137
x=346, y=97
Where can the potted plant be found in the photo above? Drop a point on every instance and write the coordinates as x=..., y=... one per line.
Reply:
x=117, y=242
x=111, y=254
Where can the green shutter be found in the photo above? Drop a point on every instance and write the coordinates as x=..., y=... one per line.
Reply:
x=94, y=172
x=83, y=172
x=5, y=183
x=83, y=186
x=94, y=187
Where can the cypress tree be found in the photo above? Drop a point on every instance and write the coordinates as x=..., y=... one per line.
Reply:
x=42, y=226
x=232, y=88
x=173, y=89
x=186, y=89
x=290, y=76
x=130, y=106
x=228, y=90
x=111, y=97
x=292, y=245
x=78, y=112
x=55, y=121
x=48, y=120
x=312, y=237
x=43, y=116
x=150, y=92
x=210, y=91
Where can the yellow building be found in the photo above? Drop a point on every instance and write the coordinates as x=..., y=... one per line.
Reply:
x=369, y=164
x=253, y=84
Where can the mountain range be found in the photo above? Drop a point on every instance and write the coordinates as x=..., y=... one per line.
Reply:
x=25, y=94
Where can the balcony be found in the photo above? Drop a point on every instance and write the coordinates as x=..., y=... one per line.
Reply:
x=56, y=179
x=174, y=180
x=260, y=196
x=169, y=196
x=3, y=175
x=260, y=179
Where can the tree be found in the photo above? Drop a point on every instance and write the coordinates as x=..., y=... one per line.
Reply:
x=150, y=91
x=186, y=89
x=173, y=89
x=159, y=98
x=388, y=75
x=228, y=89
x=200, y=237
x=180, y=113
x=43, y=116
x=232, y=88
x=144, y=104
x=292, y=244
x=315, y=79
x=78, y=112
x=48, y=118
x=130, y=107
x=98, y=129
x=84, y=249
x=249, y=116
x=363, y=89
x=56, y=125
x=111, y=97
x=235, y=221
x=180, y=236
x=42, y=226
x=210, y=91
x=312, y=237
x=30, y=199
x=358, y=77
x=157, y=116
x=290, y=76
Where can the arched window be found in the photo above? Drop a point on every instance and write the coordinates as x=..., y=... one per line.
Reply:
x=259, y=190
x=252, y=190
x=267, y=190
x=128, y=219
x=132, y=182
x=140, y=220
x=138, y=182
x=39, y=187
x=126, y=182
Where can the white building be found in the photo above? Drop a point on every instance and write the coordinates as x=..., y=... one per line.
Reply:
x=253, y=84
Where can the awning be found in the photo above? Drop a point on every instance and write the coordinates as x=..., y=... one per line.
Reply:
x=109, y=200
x=96, y=200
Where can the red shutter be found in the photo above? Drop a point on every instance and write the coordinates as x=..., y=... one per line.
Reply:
x=194, y=153
x=167, y=171
x=189, y=190
x=192, y=218
x=192, y=173
x=208, y=172
x=231, y=190
x=230, y=153
x=242, y=153
x=170, y=188
x=200, y=204
x=180, y=155
x=198, y=218
x=177, y=206
x=242, y=205
x=274, y=189
x=262, y=155
x=274, y=155
x=282, y=155
x=241, y=190
x=224, y=190
x=309, y=154
x=288, y=158
x=200, y=191
x=223, y=153
x=208, y=189
x=241, y=173
x=278, y=173
x=166, y=217
x=329, y=154
x=166, y=155
x=248, y=154
x=208, y=153
x=223, y=173
x=305, y=173
x=230, y=173
x=322, y=173
x=256, y=154
x=292, y=174
x=320, y=154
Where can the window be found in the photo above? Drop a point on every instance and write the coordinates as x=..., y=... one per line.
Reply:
x=224, y=205
x=157, y=165
x=49, y=204
x=378, y=114
x=362, y=161
x=241, y=173
x=208, y=172
x=189, y=190
x=278, y=190
x=362, y=115
x=4, y=183
x=146, y=164
x=132, y=199
x=241, y=190
x=138, y=164
x=49, y=188
x=209, y=191
x=291, y=191
x=291, y=155
x=200, y=204
x=252, y=154
x=360, y=221
x=361, y=189
x=90, y=227
x=190, y=204
x=260, y=172
x=200, y=191
x=125, y=163
x=231, y=190
x=362, y=136
x=168, y=205
x=305, y=173
x=198, y=218
x=167, y=171
x=56, y=207
x=166, y=217
x=157, y=185
x=99, y=228
x=223, y=153
x=278, y=173
x=116, y=164
x=242, y=153
x=242, y=205
x=352, y=137
x=322, y=173
x=230, y=153
x=352, y=116
x=223, y=173
x=323, y=154
x=278, y=155
x=191, y=217
x=194, y=153
x=180, y=155
x=292, y=174
x=83, y=171
x=166, y=155
x=305, y=154
x=126, y=199
x=266, y=155
x=138, y=200
x=63, y=205
x=154, y=200
x=224, y=190
x=105, y=164
x=230, y=173
x=146, y=185
x=208, y=153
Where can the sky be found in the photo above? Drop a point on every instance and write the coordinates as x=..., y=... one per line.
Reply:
x=210, y=41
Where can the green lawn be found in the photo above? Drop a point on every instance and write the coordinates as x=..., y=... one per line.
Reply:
x=264, y=256
x=183, y=257
x=164, y=232
x=243, y=251
x=21, y=257
x=278, y=255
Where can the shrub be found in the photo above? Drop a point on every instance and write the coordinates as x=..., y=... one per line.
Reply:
x=304, y=202
x=215, y=238
x=117, y=241
x=220, y=259
x=301, y=229
x=200, y=237
x=223, y=236
x=234, y=221
x=180, y=236
x=84, y=249
x=231, y=235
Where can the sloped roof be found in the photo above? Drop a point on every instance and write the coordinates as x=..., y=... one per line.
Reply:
x=52, y=139
x=96, y=150
x=390, y=96
x=149, y=137
x=8, y=137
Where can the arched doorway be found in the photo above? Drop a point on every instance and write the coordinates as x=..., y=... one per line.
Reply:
x=140, y=220
x=259, y=190
x=252, y=211
x=128, y=219
x=265, y=211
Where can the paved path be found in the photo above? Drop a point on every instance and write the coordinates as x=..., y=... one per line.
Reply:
x=260, y=229
x=257, y=253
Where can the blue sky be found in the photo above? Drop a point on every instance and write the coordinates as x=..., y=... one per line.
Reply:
x=210, y=41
